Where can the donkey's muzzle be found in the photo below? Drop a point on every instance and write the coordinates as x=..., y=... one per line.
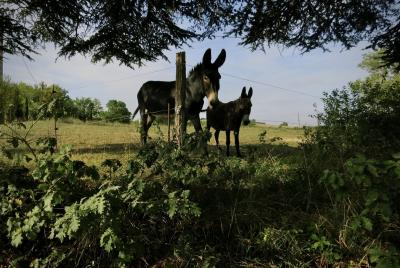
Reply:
x=246, y=119
x=213, y=102
x=212, y=98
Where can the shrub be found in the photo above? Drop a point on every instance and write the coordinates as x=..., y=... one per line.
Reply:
x=361, y=119
x=117, y=112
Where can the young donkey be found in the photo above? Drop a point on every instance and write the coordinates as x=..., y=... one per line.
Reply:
x=203, y=81
x=229, y=116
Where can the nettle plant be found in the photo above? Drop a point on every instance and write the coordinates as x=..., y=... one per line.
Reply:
x=64, y=212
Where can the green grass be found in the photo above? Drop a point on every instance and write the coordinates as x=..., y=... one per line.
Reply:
x=93, y=142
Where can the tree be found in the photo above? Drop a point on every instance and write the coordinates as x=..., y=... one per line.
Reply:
x=117, y=112
x=128, y=31
x=132, y=32
x=11, y=106
x=375, y=64
x=26, y=109
x=87, y=108
x=21, y=101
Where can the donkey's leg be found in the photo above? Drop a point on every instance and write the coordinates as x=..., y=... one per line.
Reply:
x=149, y=122
x=143, y=127
x=196, y=123
x=236, y=133
x=216, y=136
x=228, y=141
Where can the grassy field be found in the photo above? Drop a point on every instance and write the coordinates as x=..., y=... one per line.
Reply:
x=93, y=142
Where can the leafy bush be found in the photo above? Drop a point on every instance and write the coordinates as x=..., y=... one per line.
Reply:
x=351, y=161
x=361, y=119
x=116, y=112
x=63, y=210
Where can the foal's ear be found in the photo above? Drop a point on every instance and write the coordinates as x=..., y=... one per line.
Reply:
x=207, y=57
x=220, y=59
x=250, y=93
x=243, y=95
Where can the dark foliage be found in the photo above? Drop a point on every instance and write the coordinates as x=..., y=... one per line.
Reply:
x=309, y=24
x=390, y=42
x=128, y=31
x=132, y=32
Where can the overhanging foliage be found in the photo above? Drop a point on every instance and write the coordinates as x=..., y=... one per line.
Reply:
x=132, y=32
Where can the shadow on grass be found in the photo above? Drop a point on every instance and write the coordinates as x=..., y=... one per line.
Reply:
x=114, y=148
x=253, y=151
x=249, y=151
x=258, y=216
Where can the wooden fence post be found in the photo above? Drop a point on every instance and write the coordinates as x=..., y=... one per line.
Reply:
x=180, y=117
x=1, y=55
x=54, y=95
x=169, y=124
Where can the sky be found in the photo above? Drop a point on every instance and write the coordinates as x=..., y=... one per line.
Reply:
x=287, y=85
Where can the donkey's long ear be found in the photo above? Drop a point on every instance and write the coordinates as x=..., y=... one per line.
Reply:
x=250, y=93
x=207, y=57
x=221, y=59
x=243, y=95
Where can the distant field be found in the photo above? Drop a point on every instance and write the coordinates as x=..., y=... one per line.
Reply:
x=93, y=142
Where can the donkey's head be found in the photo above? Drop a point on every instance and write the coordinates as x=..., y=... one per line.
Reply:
x=211, y=75
x=244, y=105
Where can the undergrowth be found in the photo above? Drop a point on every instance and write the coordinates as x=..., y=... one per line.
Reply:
x=332, y=202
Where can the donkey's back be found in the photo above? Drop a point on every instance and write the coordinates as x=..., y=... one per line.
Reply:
x=223, y=116
x=155, y=96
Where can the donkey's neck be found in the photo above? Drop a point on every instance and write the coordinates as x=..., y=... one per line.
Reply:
x=194, y=85
x=236, y=108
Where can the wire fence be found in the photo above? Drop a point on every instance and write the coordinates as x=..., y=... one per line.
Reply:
x=94, y=142
x=263, y=83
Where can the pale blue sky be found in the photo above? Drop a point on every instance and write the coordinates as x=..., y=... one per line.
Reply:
x=311, y=73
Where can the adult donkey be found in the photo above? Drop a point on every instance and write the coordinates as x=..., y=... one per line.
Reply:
x=203, y=81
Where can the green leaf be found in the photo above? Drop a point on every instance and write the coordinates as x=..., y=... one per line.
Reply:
x=355, y=223
x=374, y=254
x=21, y=125
x=372, y=170
x=14, y=142
x=7, y=153
x=74, y=225
x=28, y=159
x=43, y=186
x=48, y=198
x=172, y=204
x=16, y=237
x=367, y=223
x=372, y=196
x=396, y=155
x=397, y=171
x=109, y=240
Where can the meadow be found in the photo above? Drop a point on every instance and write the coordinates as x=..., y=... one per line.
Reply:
x=95, y=141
